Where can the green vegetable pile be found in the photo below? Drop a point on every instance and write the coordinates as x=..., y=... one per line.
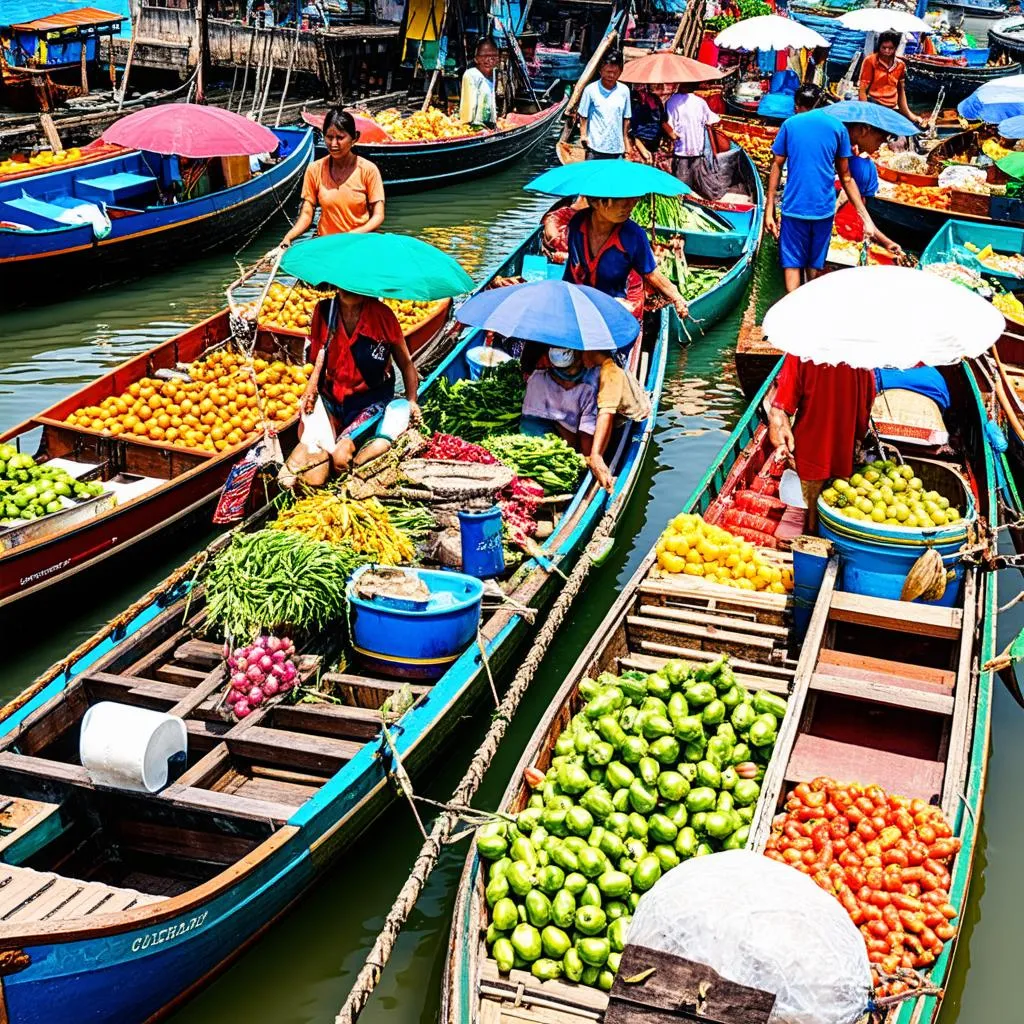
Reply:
x=475, y=409
x=748, y=9
x=691, y=281
x=652, y=771
x=29, y=490
x=671, y=212
x=274, y=578
x=547, y=460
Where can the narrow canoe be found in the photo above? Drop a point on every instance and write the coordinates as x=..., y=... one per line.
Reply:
x=1007, y=36
x=265, y=804
x=950, y=241
x=418, y=166
x=43, y=258
x=153, y=487
x=926, y=745
x=926, y=78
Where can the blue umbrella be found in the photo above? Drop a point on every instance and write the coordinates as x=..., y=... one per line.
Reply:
x=555, y=312
x=995, y=101
x=886, y=120
x=1012, y=127
x=607, y=179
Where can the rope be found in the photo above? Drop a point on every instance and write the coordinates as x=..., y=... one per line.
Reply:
x=444, y=825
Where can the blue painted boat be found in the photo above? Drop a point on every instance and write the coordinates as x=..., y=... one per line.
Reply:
x=116, y=219
x=180, y=882
x=949, y=245
x=934, y=751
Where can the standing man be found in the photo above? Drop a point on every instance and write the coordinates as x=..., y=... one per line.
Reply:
x=690, y=118
x=816, y=147
x=883, y=78
x=477, y=103
x=832, y=406
x=605, y=111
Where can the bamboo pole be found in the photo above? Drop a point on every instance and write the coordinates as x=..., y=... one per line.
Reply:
x=444, y=825
x=437, y=68
x=288, y=75
x=136, y=10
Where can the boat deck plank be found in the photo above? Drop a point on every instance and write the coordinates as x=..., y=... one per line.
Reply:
x=904, y=616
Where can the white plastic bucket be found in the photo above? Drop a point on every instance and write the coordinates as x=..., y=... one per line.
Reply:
x=125, y=747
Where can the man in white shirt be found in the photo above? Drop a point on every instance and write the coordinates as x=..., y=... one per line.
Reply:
x=604, y=114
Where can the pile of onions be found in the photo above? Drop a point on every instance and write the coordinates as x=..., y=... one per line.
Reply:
x=260, y=671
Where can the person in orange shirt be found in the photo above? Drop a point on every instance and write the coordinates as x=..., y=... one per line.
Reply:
x=347, y=188
x=883, y=78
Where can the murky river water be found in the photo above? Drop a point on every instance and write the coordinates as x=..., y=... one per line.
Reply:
x=301, y=970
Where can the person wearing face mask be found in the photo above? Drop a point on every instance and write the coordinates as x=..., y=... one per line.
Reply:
x=562, y=399
x=347, y=189
x=610, y=252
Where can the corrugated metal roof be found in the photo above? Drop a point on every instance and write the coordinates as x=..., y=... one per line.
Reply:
x=22, y=12
x=69, y=19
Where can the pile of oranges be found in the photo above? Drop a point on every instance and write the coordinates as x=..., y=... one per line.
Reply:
x=410, y=313
x=290, y=308
x=216, y=409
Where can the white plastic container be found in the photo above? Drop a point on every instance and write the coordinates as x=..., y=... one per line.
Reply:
x=124, y=747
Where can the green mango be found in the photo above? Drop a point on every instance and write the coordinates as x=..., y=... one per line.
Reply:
x=700, y=799
x=611, y=846
x=688, y=728
x=641, y=797
x=590, y=897
x=498, y=868
x=619, y=776
x=504, y=953
x=655, y=726
x=593, y=951
x=563, y=908
x=598, y=801
x=699, y=694
x=526, y=942
x=713, y=713
x=550, y=879
x=492, y=847
x=600, y=753
x=546, y=969
x=698, y=821
x=590, y=920
x=618, y=823
x=659, y=686
x=575, y=883
x=667, y=856
x=579, y=821
x=718, y=824
x=745, y=792
x=614, y=883
x=504, y=915
x=620, y=801
x=729, y=778
x=633, y=748
x=555, y=942
x=572, y=965
x=610, y=699
x=592, y=862
x=661, y=828
x=743, y=717
x=637, y=826
x=649, y=770
x=708, y=775
x=617, y=932
x=614, y=909
x=610, y=730
x=686, y=843
x=562, y=856
x=672, y=786
x=665, y=750
x=497, y=889
x=554, y=820
x=676, y=813
x=573, y=779
x=763, y=732
x=648, y=871
x=520, y=877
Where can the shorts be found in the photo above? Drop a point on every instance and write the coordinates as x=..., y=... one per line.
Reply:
x=593, y=154
x=804, y=243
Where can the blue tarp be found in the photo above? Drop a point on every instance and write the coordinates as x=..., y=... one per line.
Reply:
x=18, y=12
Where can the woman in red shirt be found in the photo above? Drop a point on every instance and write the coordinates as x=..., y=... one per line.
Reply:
x=354, y=344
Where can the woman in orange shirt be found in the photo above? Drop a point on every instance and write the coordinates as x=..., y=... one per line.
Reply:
x=883, y=78
x=347, y=188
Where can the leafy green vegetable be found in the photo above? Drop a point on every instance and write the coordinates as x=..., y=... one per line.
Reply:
x=475, y=409
x=548, y=460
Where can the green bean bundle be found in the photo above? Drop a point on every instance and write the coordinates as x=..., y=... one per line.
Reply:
x=548, y=460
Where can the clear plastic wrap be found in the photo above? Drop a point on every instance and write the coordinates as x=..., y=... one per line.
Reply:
x=763, y=924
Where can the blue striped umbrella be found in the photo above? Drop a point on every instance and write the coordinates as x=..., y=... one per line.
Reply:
x=554, y=312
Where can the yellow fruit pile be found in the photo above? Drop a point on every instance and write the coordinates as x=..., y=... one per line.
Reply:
x=696, y=548
x=44, y=159
x=410, y=313
x=215, y=410
x=289, y=308
x=1010, y=306
x=883, y=492
x=422, y=126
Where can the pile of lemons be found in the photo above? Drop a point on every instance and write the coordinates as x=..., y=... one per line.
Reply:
x=217, y=409
x=39, y=160
x=693, y=547
x=882, y=492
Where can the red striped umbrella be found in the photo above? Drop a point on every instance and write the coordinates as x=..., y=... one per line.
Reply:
x=666, y=67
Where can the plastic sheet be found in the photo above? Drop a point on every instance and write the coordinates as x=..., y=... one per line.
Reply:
x=762, y=924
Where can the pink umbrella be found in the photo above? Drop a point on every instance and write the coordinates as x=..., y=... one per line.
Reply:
x=191, y=130
x=666, y=67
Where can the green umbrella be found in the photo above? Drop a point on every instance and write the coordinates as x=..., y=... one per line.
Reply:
x=1013, y=165
x=379, y=265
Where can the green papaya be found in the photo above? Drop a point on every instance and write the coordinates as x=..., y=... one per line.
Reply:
x=598, y=801
x=504, y=953
x=504, y=915
x=550, y=879
x=617, y=932
x=579, y=821
x=572, y=965
x=554, y=942
x=661, y=828
x=538, y=908
x=497, y=889
x=648, y=871
x=593, y=950
x=619, y=776
x=614, y=883
x=634, y=748
x=520, y=877
x=590, y=920
x=526, y=942
x=575, y=883
x=667, y=856
x=665, y=750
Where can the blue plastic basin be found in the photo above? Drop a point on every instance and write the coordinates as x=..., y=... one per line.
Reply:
x=420, y=642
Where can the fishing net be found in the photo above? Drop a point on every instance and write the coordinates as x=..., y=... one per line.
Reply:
x=762, y=924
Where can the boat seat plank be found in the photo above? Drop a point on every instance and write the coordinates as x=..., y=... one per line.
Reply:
x=779, y=665
x=180, y=674
x=199, y=652
x=44, y=768
x=903, y=616
x=386, y=686
x=572, y=997
x=649, y=628
x=294, y=749
x=50, y=902
x=342, y=721
x=211, y=682
x=84, y=902
x=22, y=885
x=227, y=803
x=861, y=666
x=119, y=687
x=695, y=586
x=846, y=762
x=718, y=618
x=883, y=690
x=965, y=703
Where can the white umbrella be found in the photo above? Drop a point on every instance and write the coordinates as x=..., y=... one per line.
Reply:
x=769, y=32
x=883, y=19
x=883, y=317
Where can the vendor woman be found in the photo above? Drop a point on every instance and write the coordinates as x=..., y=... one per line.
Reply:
x=354, y=343
x=605, y=246
x=347, y=189
x=562, y=399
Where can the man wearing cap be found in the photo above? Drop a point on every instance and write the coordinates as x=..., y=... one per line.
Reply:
x=814, y=147
x=562, y=400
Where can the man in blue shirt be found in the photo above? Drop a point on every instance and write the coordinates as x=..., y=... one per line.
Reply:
x=816, y=148
x=605, y=110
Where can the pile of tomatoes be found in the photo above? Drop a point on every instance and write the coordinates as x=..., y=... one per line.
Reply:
x=886, y=858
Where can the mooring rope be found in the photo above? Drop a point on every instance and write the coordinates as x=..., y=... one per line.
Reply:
x=444, y=825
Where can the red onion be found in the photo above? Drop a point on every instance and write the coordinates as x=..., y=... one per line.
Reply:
x=255, y=696
x=278, y=657
x=233, y=696
x=270, y=688
x=273, y=644
x=239, y=679
x=241, y=708
x=259, y=643
x=254, y=674
x=289, y=671
x=240, y=665
x=266, y=663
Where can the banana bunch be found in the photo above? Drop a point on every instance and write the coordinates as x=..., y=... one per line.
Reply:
x=362, y=525
x=927, y=578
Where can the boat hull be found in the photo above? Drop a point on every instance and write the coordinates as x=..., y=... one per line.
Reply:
x=417, y=167
x=33, y=263
x=1006, y=36
x=926, y=79
x=912, y=226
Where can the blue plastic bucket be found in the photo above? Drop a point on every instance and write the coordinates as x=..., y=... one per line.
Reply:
x=482, y=553
x=418, y=642
x=808, y=573
x=482, y=359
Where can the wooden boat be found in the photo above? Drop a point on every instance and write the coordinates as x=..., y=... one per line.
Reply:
x=928, y=76
x=145, y=233
x=264, y=806
x=150, y=487
x=978, y=18
x=1006, y=36
x=950, y=241
x=917, y=724
x=735, y=248
x=417, y=166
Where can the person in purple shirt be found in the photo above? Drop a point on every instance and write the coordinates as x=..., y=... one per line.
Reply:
x=815, y=147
